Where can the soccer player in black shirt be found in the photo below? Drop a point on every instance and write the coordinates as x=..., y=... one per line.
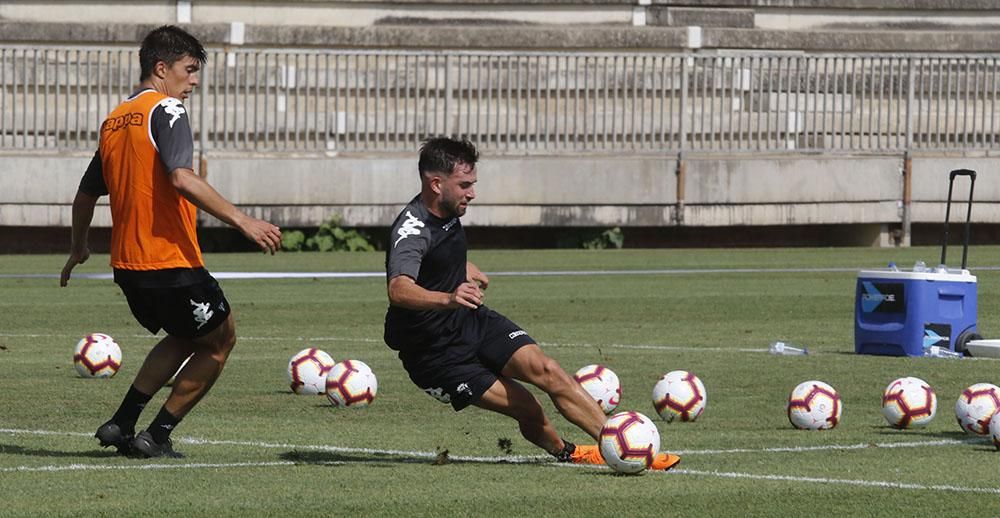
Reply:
x=455, y=348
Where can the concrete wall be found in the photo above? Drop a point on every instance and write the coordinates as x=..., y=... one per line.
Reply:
x=724, y=192
x=37, y=190
x=930, y=188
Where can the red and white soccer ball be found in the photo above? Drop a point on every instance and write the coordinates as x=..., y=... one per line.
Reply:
x=679, y=395
x=97, y=356
x=351, y=383
x=909, y=403
x=976, y=406
x=814, y=405
x=602, y=384
x=995, y=429
x=629, y=442
x=307, y=371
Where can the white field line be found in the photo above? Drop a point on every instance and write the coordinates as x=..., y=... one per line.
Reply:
x=368, y=275
x=880, y=484
x=543, y=273
x=840, y=447
x=843, y=481
x=289, y=339
x=110, y=467
x=376, y=340
x=518, y=458
x=302, y=339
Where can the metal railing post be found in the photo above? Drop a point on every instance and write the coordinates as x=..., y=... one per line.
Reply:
x=909, y=104
x=907, y=159
x=447, y=95
x=682, y=145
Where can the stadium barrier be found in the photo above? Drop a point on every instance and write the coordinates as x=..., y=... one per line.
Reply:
x=517, y=103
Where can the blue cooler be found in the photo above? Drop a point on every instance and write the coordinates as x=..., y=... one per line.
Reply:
x=901, y=313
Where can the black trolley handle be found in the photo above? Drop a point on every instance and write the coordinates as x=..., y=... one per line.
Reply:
x=968, y=216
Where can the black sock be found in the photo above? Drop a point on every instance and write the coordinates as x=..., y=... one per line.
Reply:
x=161, y=427
x=128, y=412
x=566, y=454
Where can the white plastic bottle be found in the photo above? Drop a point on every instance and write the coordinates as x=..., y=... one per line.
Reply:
x=786, y=349
x=936, y=351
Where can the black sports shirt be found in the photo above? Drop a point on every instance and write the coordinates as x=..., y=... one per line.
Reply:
x=433, y=252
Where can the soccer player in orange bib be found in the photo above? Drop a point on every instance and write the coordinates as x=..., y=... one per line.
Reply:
x=145, y=163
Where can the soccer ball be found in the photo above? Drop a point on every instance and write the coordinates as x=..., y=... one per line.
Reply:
x=909, y=403
x=976, y=406
x=602, y=384
x=679, y=394
x=814, y=405
x=995, y=429
x=351, y=383
x=97, y=356
x=629, y=442
x=170, y=382
x=307, y=371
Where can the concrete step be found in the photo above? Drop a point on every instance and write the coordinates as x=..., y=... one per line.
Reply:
x=531, y=37
x=659, y=15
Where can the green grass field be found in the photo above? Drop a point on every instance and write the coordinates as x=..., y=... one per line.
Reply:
x=254, y=449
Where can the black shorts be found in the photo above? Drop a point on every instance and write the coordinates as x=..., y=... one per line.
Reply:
x=188, y=312
x=462, y=370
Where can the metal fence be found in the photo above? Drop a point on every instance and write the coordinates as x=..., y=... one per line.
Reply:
x=522, y=102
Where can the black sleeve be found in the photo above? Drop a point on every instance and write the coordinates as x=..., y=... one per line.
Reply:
x=92, y=182
x=410, y=241
x=171, y=131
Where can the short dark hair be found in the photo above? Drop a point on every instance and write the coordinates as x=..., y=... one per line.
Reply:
x=442, y=154
x=168, y=44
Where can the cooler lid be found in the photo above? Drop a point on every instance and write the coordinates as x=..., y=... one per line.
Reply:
x=984, y=348
x=952, y=275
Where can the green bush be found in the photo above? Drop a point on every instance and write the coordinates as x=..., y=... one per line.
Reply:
x=329, y=237
x=610, y=238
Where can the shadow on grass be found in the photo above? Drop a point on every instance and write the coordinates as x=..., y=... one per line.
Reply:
x=9, y=449
x=442, y=458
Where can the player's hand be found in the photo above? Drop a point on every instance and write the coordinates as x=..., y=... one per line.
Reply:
x=467, y=294
x=474, y=275
x=75, y=257
x=266, y=235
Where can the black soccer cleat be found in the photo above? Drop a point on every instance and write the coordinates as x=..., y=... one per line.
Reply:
x=143, y=446
x=110, y=434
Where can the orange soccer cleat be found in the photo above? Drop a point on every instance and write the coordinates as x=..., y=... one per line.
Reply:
x=664, y=462
x=587, y=454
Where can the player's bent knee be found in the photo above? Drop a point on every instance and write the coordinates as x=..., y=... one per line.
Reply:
x=552, y=376
x=221, y=340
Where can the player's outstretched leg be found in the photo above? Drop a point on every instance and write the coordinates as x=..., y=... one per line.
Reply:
x=161, y=363
x=510, y=398
x=531, y=365
x=190, y=385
